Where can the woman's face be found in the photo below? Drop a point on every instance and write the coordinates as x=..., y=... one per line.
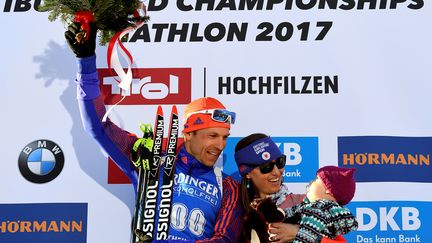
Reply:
x=268, y=183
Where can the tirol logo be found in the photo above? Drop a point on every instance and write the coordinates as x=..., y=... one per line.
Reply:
x=43, y=222
x=385, y=158
x=41, y=161
x=301, y=155
x=149, y=86
x=391, y=221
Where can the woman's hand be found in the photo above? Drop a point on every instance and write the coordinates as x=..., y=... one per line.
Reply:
x=282, y=232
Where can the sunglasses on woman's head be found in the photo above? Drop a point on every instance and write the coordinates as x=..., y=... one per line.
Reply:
x=268, y=167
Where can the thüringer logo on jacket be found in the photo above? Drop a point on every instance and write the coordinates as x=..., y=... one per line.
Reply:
x=149, y=86
x=41, y=161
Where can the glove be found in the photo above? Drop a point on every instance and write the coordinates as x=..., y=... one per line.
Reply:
x=142, y=237
x=142, y=151
x=75, y=37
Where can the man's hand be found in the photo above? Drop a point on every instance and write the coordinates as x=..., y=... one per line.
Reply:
x=76, y=39
x=142, y=237
x=142, y=152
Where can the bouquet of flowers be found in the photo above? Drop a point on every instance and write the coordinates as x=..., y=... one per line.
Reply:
x=109, y=16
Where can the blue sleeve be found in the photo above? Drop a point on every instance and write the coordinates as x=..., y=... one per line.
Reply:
x=173, y=241
x=229, y=222
x=116, y=142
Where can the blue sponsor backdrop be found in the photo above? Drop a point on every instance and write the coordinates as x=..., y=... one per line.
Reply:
x=41, y=222
x=385, y=158
x=301, y=152
x=401, y=221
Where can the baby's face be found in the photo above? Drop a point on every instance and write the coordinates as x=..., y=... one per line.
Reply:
x=317, y=190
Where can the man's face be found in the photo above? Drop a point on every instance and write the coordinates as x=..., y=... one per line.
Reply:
x=206, y=144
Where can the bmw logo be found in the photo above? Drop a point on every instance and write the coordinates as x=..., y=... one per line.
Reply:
x=41, y=161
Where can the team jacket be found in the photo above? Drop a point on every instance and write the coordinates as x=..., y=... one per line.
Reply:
x=204, y=209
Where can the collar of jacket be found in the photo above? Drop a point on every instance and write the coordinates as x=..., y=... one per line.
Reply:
x=188, y=164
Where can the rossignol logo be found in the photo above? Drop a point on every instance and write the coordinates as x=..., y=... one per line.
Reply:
x=164, y=210
x=41, y=161
x=167, y=186
x=151, y=194
x=385, y=158
x=150, y=208
x=149, y=86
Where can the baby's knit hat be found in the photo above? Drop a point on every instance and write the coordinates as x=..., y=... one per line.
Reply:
x=339, y=181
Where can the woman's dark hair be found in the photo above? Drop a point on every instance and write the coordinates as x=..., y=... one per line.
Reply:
x=247, y=195
x=248, y=140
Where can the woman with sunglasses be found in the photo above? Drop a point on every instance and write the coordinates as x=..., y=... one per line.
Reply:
x=261, y=165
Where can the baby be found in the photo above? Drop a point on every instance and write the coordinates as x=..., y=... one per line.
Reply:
x=321, y=215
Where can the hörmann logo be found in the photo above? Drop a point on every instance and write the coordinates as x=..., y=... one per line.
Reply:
x=150, y=86
x=41, y=161
x=43, y=222
x=379, y=158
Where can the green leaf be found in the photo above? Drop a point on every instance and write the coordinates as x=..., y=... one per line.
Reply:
x=110, y=16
